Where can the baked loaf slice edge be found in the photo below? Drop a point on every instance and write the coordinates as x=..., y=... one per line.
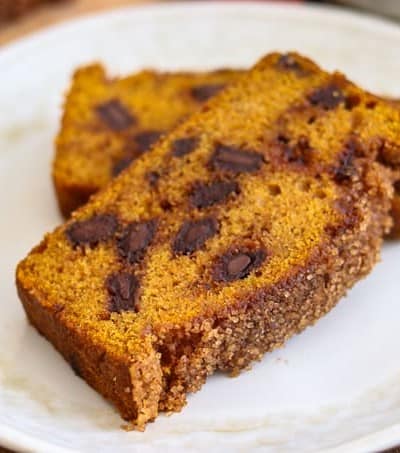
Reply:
x=243, y=226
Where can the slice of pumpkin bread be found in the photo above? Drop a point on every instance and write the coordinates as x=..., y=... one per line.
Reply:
x=240, y=228
x=107, y=123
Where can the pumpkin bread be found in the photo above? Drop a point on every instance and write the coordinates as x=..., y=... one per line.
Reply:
x=240, y=228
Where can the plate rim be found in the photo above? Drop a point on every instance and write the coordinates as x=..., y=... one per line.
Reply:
x=335, y=11
x=11, y=437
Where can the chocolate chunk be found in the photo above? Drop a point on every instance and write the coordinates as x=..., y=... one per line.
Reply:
x=287, y=62
x=122, y=289
x=120, y=165
x=204, y=195
x=143, y=141
x=96, y=229
x=183, y=146
x=193, y=235
x=235, y=160
x=235, y=265
x=136, y=146
x=238, y=264
x=135, y=240
x=166, y=205
x=204, y=92
x=352, y=101
x=153, y=177
x=327, y=97
x=115, y=115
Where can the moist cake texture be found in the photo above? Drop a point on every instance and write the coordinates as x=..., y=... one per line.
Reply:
x=242, y=227
x=107, y=123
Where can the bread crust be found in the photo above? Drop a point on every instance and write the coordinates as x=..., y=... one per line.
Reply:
x=107, y=374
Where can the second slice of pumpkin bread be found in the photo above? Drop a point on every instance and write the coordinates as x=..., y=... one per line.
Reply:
x=239, y=229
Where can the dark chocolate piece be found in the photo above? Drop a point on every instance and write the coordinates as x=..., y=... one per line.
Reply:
x=204, y=195
x=204, y=92
x=193, y=235
x=92, y=231
x=183, y=146
x=328, y=97
x=143, y=141
x=235, y=160
x=115, y=115
x=135, y=240
x=235, y=265
x=122, y=289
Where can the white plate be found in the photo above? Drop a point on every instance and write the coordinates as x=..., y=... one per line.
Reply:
x=333, y=387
